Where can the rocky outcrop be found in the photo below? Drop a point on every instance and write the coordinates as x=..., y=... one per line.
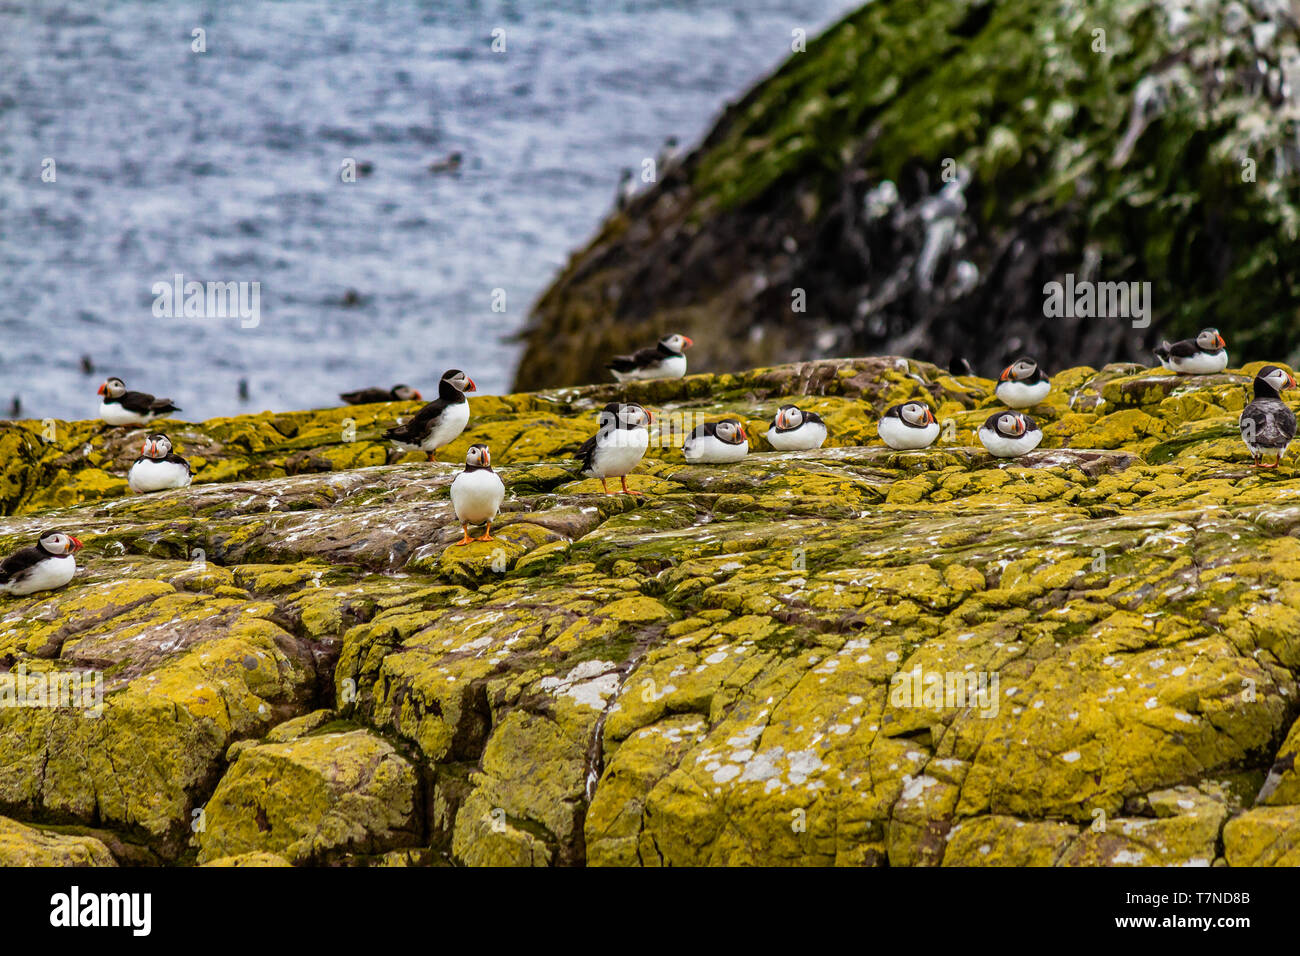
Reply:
x=1087, y=656
x=914, y=180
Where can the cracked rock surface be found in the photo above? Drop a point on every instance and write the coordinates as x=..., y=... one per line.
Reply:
x=1087, y=656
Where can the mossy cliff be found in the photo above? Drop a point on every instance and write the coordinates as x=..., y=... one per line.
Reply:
x=737, y=668
x=912, y=181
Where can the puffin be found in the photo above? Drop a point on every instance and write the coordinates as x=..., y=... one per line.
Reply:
x=1203, y=355
x=664, y=360
x=440, y=422
x=369, y=396
x=1010, y=434
x=120, y=407
x=1022, y=384
x=717, y=443
x=793, y=429
x=1267, y=424
x=908, y=426
x=477, y=493
x=618, y=445
x=158, y=468
x=47, y=565
x=450, y=164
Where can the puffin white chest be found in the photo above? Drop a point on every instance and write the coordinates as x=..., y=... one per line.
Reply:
x=708, y=450
x=807, y=436
x=53, y=572
x=477, y=495
x=1001, y=446
x=448, y=427
x=1022, y=394
x=1202, y=363
x=618, y=451
x=114, y=414
x=672, y=366
x=149, y=475
x=899, y=435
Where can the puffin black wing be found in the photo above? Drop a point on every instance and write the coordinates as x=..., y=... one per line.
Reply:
x=367, y=396
x=142, y=403
x=641, y=358
x=1184, y=349
x=176, y=459
x=1273, y=424
x=421, y=423
x=586, y=454
x=813, y=417
x=20, y=562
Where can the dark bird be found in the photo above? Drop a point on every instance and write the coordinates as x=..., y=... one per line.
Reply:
x=369, y=396
x=450, y=164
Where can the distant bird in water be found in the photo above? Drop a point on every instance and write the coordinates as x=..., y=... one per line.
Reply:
x=87, y=366
x=450, y=164
x=626, y=189
x=351, y=298
x=243, y=389
x=16, y=407
x=365, y=167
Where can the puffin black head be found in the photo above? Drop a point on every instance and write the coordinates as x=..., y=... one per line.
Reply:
x=478, y=456
x=457, y=380
x=57, y=543
x=1272, y=381
x=1009, y=424
x=675, y=344
x=788, y=417
x=157, y=446
x=113, y=388
x=404, y=393
x=1021, y=370
x=916, y=414
x=730, y=431
x=1209, y=340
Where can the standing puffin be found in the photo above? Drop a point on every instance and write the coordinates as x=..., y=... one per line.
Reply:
x=1203, y=355
x=1022, y=384
x=47, y=565
x=477, y=493
x=717, y=443
x=793, y=429
x=440, y=422
x=1009, y=434
x=618, y=446
x=1267, y=424
x=908, y=427
x=157, y=468
x=120, y=407
x=370, y=396
x=664, y=360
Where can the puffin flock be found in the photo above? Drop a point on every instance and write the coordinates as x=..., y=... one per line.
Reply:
x=622, y=437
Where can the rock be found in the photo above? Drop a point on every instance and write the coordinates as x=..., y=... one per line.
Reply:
x=928, y=210
x=1086, y=656
x=313, y=799
x=28, y=846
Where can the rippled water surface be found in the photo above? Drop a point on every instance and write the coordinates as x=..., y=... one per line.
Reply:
x=225, y=166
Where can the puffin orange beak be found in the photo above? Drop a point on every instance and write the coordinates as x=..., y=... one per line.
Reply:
x=929, y=416
x=417, y=397
x=780, y=419
x=472, y=386
x=687, y=341
x=1220, y=342
x=1290, y=380
x=649, y=416
x=743, y=433
x=487, y=459
x=1006, y=374
x=76, y=544
x=1021, y=427
x=100, y=390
